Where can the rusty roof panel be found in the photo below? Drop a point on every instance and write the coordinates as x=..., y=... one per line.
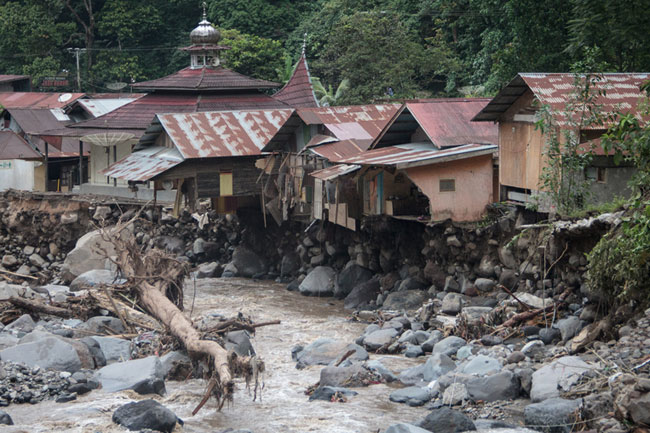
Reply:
x=338, y=150
x=139, y=113
x=298, y=92
x=368, y=120
x=205, y=79
x=407, y=154
x=224, y=133
x=35, y=121
x=145, y=164
x=12, y=146
x=447, y=122
x=11, y=78
x=37, y=99
x=334, y=171
x=620, y=92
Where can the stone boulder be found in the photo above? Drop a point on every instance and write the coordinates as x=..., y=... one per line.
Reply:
x=240, y=343
x=341, y=376
x=90, y=253
x=482, y=365
x=561, y=374
x=247, y=262
x=145, y=415
x=94, y=278
x=554, y=415
x=362, y=295
x=379, y=338
x=327, y=393
x=24, y=324
x=412, y=396
x=350, y=277
x=9, y=290
x=452, y=304
x=290, y=264
x=435, y=366
x=500, y=386
x=405, y=300
x=102, y=325
x=327, y=350
x=209, y=270
x=448, y=346
x=445, y=420
x=49, y=352
x=5, y=418
x=114, y=349
x=176, y=365
x=144, y=376
x=319, y=282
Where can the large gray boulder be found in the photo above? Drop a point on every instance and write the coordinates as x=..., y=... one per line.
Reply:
x=379, y=338
x=94, y=278
x=145, y=376
x=561, y=374
x=445, y=420
x=319, y=282
x=240, y=343
x=436, y=366
x=91, y=251
x=327, y=350
x=554, y=415
x=24, y=324
x=341, y=376
x=145, y=415
x=482, y=365
x=247, y=262
x=412, y=396
x=114, y=349
x=48, y=353
x=102, y=325
x=405, y=300
x=9, y=290
x=362, y=295
x=350, y=277
x=448, y=346
x=499, y=386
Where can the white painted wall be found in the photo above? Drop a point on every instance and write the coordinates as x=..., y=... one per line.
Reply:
x=99, y=160
x=17, y=174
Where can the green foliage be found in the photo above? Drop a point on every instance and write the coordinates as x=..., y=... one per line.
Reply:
x=565, y=155
x=619, y=265
x=327, y=97
x=252, y=55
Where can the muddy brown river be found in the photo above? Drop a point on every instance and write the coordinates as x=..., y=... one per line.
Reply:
x=283, y=408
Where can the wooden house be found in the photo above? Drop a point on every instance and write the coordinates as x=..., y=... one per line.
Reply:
x=203, y=155
x=522, y=146
x=307, y=142
x=15, y=83
x=429, y=163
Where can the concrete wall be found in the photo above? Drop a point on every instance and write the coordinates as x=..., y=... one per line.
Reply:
x=99, y=160
x=17, y=174
x=473, y=180
x=142, y=193
x=615, y=182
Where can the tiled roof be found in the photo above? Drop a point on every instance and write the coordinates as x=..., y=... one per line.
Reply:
x=617, y=92
x=11, y=78
x=205, y=79
x=298, y=92
x=139, y=113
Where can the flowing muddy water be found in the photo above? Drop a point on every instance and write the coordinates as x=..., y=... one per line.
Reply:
x=283, y=408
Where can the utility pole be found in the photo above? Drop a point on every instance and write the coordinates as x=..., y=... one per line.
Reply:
x=76, y=52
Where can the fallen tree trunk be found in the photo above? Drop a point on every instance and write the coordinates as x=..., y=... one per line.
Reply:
x=157, y=280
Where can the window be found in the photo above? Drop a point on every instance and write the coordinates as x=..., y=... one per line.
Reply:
x=447, y=185
x=596, y=174
x=225, y=184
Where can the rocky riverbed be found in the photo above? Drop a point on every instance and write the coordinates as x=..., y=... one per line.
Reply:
x=397, y=328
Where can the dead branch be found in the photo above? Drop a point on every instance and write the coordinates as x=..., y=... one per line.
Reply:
x=29, y=277
x=39, y=307
x=523, y=304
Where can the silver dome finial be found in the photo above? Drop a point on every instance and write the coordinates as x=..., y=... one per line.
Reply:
x=205, y=33
x=205, y=15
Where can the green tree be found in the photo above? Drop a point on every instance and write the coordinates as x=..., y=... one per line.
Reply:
x=327, y=97
x=252, y=55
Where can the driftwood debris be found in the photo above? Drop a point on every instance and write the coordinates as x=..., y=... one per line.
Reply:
x=157, y=280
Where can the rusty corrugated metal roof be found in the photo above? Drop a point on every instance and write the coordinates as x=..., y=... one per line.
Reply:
x=139, y=113
x=334, y=171
x=337, y=151
x=224, y=133
x=37, y=99
x=447, y=122
x=414, y=154
x=35, y=121
x=621, y=92
x=298, y=92
x=12, y=146
x=8, y=78
x=144, y=164
x=361, y=122
x=205, y=79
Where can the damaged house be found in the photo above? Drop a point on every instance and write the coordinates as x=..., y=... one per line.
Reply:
x=429, y=163
x=522, y=145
